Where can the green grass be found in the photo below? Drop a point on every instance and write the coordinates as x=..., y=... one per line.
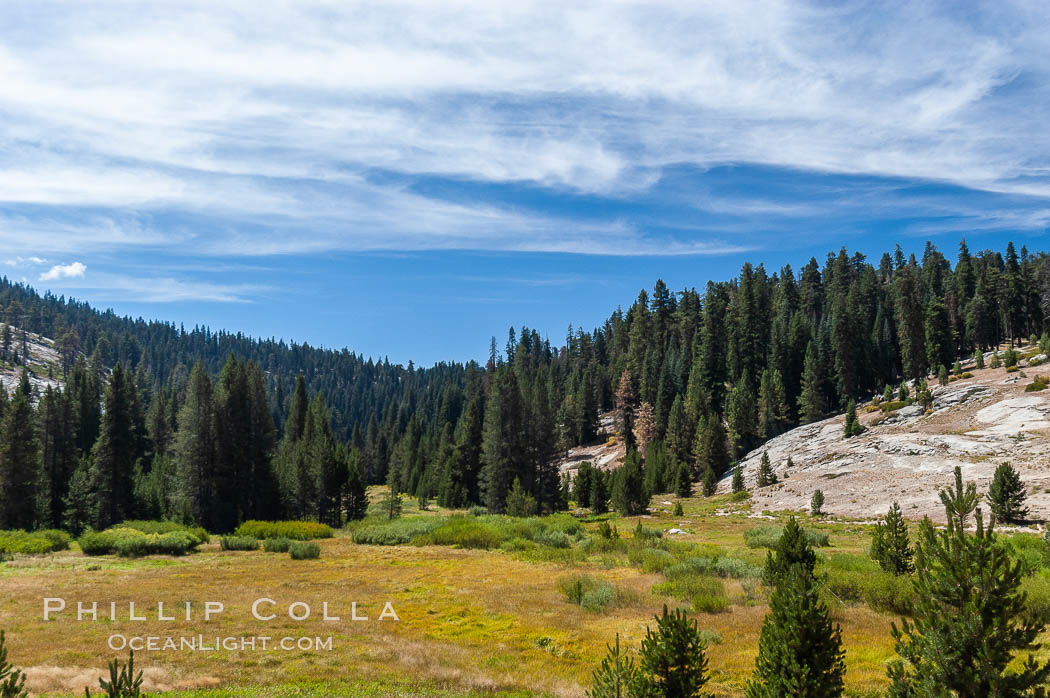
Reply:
x=293, y=530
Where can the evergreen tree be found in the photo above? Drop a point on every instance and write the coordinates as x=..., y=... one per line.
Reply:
x=766, y=476
x=1006, y=495
x=19, y=461
x=940, y=345
x=742, y=417
x=12, y=680
x=800, y=649
x=709, y=480
x=519, y=502
x=773, y=416
x=78, y=507
x=58, y=450
x=852, y=427
x=644, y=426
x=502, y=449
x=673, y=662
x=738, y=478
x=583, y=484
x=683, y=481
x=629, y=496
x=356, y=503
x=816, y=504
x=890, y=546
x=679, y=438
x=710, y=451
x=793, y=550
x=195, y=449
x=599, y=494
x=392, y=500
x=811, y=405
x=970, y=617
x=616, y=676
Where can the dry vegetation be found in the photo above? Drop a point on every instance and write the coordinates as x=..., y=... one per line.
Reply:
x=471, y=620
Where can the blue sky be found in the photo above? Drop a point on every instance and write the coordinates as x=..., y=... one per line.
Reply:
x=407, y=179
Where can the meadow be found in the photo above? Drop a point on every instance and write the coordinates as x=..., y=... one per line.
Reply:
x=488, y=605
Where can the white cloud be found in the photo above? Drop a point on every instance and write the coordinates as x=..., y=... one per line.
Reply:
x=64, y=271
x=269, y=117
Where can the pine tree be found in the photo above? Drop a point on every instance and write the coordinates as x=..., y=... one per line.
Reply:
x=644, y=426
x=12, y=680
x=356, y=492
x=616, y=676
x=793, y=549
x=766, y=476
x=738, y=478
x=629, y=496
x=742, y=417
x=195, y=448
x=683, y=481
x=519, y=502
x=940, y=345
x=392, y=500
x=816, y=504
x=811, y=405
x=1006, y=495
x=673, y=661
x=599, y=494
x=583, y=483
x=890, y=546
x=942, y=375
x=970, y=617
x=58, y=450
x=709, y=450
x=800, y=649
x=709, y=481
x=624, y=404
x=772, y=405
x=79, y=505
x=852, y=427
x=19, y=461
x=978, y=359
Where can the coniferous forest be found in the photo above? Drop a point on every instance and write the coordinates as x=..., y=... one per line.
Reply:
x=158, y=421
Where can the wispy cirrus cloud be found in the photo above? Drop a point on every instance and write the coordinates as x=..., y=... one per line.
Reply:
x=257, y=132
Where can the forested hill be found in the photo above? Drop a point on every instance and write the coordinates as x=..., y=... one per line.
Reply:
x=697, y=379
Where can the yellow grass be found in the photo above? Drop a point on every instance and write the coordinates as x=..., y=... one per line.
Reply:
x=469, y=619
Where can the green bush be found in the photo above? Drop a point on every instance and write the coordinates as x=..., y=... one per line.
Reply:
x=1031, y=550
x=276, y=545
x=196, y=532
x=767, y=537
x=1037, y=384
x=478, y=510
x=293, y=530
x=647, y=533
x=304, y=550
x=130, y=542
x=553, y=539
x=300, y=550
x=239, y=543
x=461, y=531
x=593, y=594
x=651, y=559
x=893, y=405
x=36, y=543
x=730, y=567
x=395, y=531
x=707, y=594
x=882, y=591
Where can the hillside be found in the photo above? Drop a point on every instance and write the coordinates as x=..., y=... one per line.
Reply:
x=44, y=365
x=905, y=455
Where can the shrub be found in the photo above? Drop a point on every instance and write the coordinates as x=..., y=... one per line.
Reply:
x=706, y=593
x=130, y=542
x=276, y=545
x=300, y=550
x=893, y=405
x=767, y=537
x=712, y=599
x=96, y=543
x=463, y=532
x=293, y=530
x=59, y=540
x=651, y=559
x=478, y=510
x=553, y=539
x=25, y=543
x=593, y=594
x=239, y=543
x=1037, y=384
x=394, y=531
x=1012, y=369
x=196, y=532
x=647, y=533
